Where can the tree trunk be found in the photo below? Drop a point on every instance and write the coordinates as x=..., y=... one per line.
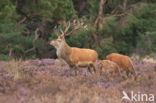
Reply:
x=100, y=12
x=82, y=7
x=96, y=23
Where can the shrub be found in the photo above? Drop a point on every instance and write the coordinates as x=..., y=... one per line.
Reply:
x=79, y=38
x=146, y=43
x=141, y=18
x=106, y=47
x=4, y=57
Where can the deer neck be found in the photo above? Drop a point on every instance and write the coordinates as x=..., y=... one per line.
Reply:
x=64, y=51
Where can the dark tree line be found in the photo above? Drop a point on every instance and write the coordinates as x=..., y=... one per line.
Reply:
x=123, y=26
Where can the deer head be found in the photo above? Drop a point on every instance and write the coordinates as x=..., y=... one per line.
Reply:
x=60, y=41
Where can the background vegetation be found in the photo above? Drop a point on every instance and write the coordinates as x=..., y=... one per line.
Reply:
x=123, y=26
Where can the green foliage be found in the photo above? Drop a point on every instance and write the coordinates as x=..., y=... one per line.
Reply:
x=108, y=24
x=56, y=9
x=16, y=42
x=12, y=40
x=146, y=43
x=7, y=11
x=134, y=31
x=141, y=18
x=79, y=38
x=106, y=47
x=147, y=33
x=4, y=57
x=92, y=8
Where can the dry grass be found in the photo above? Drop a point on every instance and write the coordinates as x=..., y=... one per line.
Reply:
x=13, y=68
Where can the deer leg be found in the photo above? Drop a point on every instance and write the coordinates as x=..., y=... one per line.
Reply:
x=89, y=69
x=94, y=67
x=100, y=69
x=76, y=70
x=128, y=73
x=124, y=72
x=132, y=71
x=72, y=69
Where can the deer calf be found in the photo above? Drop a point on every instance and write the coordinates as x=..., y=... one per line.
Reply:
x=74, y=57
x=123, y=61
x=109, y=67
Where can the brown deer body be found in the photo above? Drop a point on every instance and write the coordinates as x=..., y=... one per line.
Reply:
x=109, y=67
x=123, y=61
x=74, y=57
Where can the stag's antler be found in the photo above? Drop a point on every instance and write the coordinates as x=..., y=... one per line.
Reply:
x=75, y=26
x=67, y=28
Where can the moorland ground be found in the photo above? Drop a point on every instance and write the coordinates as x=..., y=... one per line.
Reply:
x=51, y=81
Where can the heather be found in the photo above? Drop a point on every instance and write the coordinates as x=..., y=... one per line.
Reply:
x=51, y=81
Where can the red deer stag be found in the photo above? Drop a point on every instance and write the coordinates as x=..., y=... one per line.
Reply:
x=123, y=61
x=74, y=57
